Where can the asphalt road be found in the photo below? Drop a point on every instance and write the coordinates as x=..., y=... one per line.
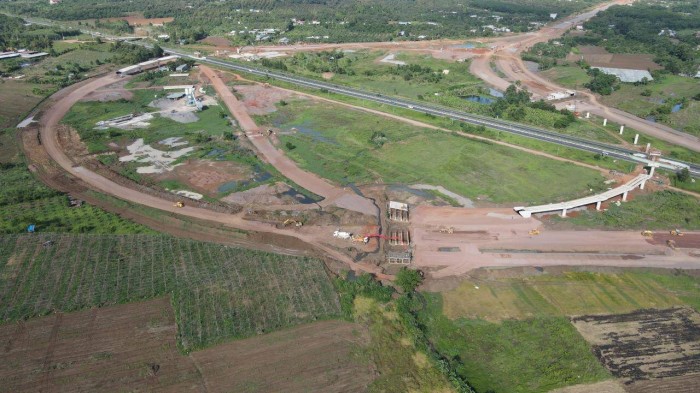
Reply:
x=500, y=125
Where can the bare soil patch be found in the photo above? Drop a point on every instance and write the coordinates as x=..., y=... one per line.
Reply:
x=122, y=348
x=135, y=20
x=260, y=99
x=206, y=176
x=109, y=95
x=216, y=41
x=319, y=357
x=600, y=387
x=689, y=240
x=645, y=344
x=599, y=57
x=265, y=195
x=684, y=384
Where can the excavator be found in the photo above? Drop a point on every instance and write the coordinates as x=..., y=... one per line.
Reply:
x=447, y=229
x=179, y=204
x=647, y=233
x=676, y=232
x=290, y=221
x=534, y=232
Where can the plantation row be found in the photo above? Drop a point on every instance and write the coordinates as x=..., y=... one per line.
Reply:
x=218, y=292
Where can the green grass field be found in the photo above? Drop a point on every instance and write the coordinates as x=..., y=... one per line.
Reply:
x=659, y=210
x=338, y=145
x=668, y=88
x=571, y=76
x=573, y=293
x=534, y=355
x=17, y=98
x=218, y=292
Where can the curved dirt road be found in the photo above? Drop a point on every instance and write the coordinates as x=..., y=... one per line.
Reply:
x=49, y=137
x=508, y=61
x=332, y=194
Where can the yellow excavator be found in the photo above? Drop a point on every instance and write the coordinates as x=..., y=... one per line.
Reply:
x=290, y=221
x=534, y=232
x=179, y=204
x=447, y=230
x=647, y=233
x=676, y=232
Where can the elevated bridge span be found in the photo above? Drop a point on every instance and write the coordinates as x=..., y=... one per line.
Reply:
x=638, y=181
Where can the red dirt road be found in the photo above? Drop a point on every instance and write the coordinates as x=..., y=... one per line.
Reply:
x=508, y=61
x=268, y=152
x=49, y=137
x=500, y=237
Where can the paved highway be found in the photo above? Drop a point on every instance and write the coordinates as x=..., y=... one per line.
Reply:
x=501, y=125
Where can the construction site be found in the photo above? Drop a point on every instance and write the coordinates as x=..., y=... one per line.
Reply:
x=363, y=227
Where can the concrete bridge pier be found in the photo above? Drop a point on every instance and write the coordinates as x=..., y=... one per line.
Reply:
x=622, y=129
x=624, y=196
x=597, y=205
x=563, y=213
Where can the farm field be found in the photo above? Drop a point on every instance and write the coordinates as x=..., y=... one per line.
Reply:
x=497, y=326
x=219, y=293
x=125, y=347
x=646, y=344
x=534, y=355
x=348, y=146
x=327, y=356
x=132, y=346
x=24, y=200
x=571, y=293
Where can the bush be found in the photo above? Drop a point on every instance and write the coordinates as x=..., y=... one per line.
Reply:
x=408, y=279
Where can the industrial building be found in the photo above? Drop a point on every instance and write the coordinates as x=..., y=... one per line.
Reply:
x=146, y=65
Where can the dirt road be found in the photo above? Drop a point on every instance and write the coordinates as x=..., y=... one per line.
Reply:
x=268, y=152
x=500, y=238
x=48, y=127
x=508, y=62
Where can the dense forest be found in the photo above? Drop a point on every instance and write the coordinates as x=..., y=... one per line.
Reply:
x=14, y=34
x=338, y=20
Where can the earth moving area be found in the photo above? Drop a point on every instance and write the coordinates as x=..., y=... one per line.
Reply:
x=132, y=347
x=443, y=261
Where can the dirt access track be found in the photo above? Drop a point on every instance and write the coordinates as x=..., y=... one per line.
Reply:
x=48, y=125
x=268, y=152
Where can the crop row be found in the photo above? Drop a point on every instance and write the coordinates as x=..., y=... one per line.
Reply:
x=218, y=292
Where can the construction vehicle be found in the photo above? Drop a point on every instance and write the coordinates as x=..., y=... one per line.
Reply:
x=447, y=229
x=647, y=233
x=360, y=239
x=290, y=221
x=179, y=204
x=671, y=244
x=676, y=232
x=534, y=232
